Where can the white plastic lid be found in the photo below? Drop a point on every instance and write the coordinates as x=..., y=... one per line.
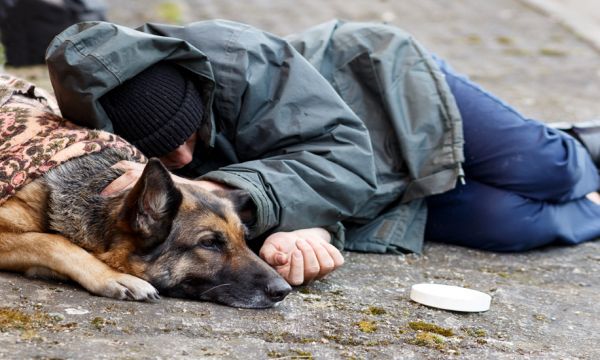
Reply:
x=450, y=297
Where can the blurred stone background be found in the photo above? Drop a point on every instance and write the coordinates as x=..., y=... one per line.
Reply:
x=539, y=55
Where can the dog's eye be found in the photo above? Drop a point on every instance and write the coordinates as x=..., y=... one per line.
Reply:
x=210, y=243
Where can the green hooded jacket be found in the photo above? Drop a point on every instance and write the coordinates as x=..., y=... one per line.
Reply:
x=347, y=126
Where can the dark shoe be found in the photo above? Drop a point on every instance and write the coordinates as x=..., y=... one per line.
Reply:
x=587, y=133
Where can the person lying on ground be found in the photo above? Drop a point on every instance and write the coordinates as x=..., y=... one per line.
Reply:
x=346, y=136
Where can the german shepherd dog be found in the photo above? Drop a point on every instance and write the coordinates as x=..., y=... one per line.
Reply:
x=175, y=238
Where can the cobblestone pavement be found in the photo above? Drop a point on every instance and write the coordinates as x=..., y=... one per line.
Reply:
x=546, y=303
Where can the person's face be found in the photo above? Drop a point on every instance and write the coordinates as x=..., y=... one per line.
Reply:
x=181, y=156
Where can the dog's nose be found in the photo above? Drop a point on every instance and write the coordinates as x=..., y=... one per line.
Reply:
x=278, y=289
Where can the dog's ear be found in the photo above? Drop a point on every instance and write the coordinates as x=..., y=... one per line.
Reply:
x=152, y=204
x=242, y=203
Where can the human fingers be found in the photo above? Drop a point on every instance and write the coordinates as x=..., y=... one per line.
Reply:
x=295, y=276
x=128, y=165
x=283, y=241
x=121, y=183
x=326, y=263
x=336, y=255
x=271, y=254
x=311, y=263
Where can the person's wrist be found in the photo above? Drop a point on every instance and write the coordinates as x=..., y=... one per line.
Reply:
x=212, y=185
x=320, y=233
x=205, y=184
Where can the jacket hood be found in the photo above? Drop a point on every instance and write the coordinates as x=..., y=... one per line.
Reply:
x=89, y=59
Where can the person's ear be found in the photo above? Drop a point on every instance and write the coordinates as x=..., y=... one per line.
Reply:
x=242, y=203
x=151, y=205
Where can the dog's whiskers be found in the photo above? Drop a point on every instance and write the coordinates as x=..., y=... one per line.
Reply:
x=214, y=287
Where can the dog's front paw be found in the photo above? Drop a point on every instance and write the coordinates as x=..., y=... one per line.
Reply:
x=128, y=287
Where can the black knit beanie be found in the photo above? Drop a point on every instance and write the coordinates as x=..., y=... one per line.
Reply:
x=156, y=110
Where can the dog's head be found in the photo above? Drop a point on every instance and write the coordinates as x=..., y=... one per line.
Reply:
x=190, y=243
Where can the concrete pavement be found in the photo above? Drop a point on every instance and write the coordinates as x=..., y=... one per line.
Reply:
x=581, y=16
x=546, y=303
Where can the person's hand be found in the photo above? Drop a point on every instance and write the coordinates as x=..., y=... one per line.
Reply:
x=133, y=171
x=301, y=256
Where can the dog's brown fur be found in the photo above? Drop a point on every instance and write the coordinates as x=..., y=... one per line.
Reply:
x=185, y=241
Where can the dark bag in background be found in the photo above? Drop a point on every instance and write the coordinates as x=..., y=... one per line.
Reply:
x=28, y=26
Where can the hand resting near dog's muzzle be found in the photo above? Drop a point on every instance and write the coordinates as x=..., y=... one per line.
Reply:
x=186, y=241
x=183, y=240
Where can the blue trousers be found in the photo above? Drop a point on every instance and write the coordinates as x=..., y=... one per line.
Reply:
x=525, y=182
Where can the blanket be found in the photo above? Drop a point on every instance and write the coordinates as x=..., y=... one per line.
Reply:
x=34, y=138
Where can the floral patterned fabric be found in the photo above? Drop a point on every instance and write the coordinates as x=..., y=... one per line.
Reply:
x=34, y=138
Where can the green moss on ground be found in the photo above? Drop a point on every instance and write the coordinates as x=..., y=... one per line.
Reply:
x=11, y=318
x=301, y=354
x=374, y=310
x=430, y=340
x=475, y=332
x=100, y=323
x=366, y=326
x=432, y=328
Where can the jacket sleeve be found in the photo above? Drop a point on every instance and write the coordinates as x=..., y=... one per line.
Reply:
x=305, y=157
